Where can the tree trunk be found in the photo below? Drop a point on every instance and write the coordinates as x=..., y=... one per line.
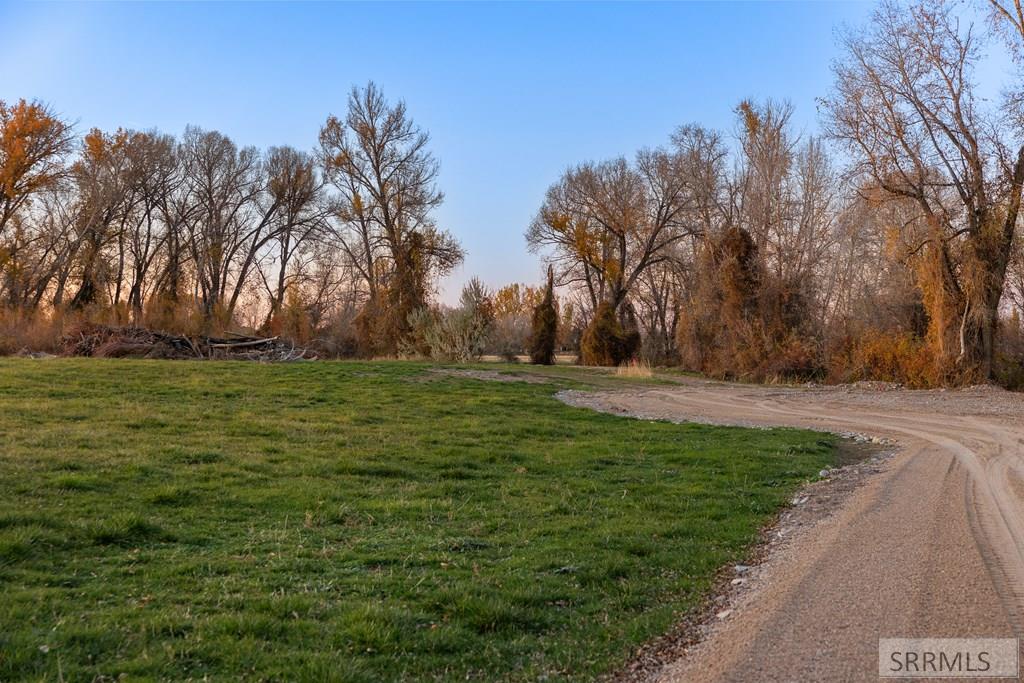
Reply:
x=978, y=335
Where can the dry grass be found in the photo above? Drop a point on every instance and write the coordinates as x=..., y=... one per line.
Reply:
x=29, y=332
x=634, y=369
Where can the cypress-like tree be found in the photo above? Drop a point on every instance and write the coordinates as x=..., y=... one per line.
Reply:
x=544, y=331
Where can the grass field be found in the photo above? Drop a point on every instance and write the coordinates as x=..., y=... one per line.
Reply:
x=354, y=521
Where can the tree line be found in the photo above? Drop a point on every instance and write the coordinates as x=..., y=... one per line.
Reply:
x=198, y=233
x=887, y=248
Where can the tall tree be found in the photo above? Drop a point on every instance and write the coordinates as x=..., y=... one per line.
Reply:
x=544, y=330
x=156, y=178
x=225, y=183
x=377, y=160
x=34, y=143
x=300, y=220
x=905, y=108
x=604, y=224
x=103, y=176
x=786, y=191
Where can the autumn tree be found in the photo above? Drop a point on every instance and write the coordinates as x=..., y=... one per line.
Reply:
x=516, y=299
x=513, y=311
x=378, y=163
x=34, y=147
x=905, y=108
x=603, y=224
x=34, y=144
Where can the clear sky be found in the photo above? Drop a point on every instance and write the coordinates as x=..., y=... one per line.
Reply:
x=511, y=94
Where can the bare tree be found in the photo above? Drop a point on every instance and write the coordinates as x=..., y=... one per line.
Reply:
x=904, y=107
x=38, y=248
x=300, y=219
x=157, y=176
x=225, y=182
x=103, y=176
x=290, y=190
x=603, y=225
x=377, y=160
x=786, y=191
x=176, y=206
x=657, y=296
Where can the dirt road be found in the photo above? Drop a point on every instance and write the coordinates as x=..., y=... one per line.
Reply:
x=932, y=546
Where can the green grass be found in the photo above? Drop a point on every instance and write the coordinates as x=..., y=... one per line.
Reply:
x=354, y=522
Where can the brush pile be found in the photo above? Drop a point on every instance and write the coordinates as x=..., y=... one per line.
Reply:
x=102, y=341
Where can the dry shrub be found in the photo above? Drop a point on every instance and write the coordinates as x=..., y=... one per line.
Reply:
x=1010, y=371
x=634, y=369
x=885, y=356
x=291, y=320
x=606, y=341
x=751, y=350
x=337, y=338
x=29, y=331
x=741, y=323
x=452, y=334
x=792, y=357
x=372, y=325
x=181, y=316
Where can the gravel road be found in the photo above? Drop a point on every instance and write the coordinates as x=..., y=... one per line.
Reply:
x=930, y=546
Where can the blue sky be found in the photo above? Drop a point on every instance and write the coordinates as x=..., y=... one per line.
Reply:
x=511, y=94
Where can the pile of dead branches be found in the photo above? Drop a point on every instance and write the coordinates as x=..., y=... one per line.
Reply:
x=103, y=341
